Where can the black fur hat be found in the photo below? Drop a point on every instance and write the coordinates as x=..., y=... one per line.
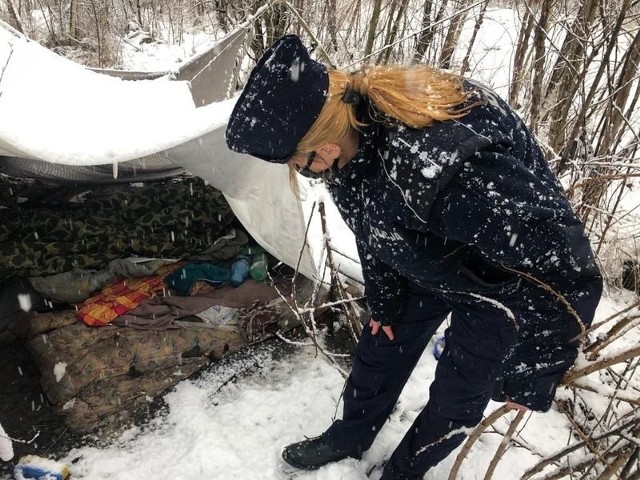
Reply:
x=283, y=97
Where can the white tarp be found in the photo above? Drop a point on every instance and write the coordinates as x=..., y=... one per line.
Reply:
x=57, y=111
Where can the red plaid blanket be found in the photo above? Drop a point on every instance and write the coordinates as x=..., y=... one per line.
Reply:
x=121, y=296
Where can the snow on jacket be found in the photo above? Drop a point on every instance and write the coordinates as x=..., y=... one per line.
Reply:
x=456, y=207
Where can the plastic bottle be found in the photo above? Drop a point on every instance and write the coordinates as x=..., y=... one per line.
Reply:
x=239, y=270
x=438, y=347
x=259, y=267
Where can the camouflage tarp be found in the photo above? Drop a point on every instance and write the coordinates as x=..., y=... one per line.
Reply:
x=49, y=229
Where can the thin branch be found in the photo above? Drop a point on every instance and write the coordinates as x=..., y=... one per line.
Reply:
x=482, y=426
x=502, y=448
x=434, y=24
x=600, y=364
x=572, y=448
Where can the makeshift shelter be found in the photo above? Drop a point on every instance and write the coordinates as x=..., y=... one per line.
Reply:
x=67, y=124
x=141, y=130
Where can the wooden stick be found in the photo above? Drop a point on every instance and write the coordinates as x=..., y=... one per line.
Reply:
x=506, y=440
x=482, y=426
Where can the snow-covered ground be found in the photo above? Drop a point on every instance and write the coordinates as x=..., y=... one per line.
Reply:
x=233, y=421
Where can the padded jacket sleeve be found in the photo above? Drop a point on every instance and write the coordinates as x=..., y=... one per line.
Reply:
x=384, y=287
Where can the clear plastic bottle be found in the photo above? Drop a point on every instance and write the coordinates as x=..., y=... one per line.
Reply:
x=239, y=270
x=259, y=267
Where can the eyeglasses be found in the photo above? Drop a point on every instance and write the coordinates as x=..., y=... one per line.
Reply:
x=307, y=165
x=306, y=170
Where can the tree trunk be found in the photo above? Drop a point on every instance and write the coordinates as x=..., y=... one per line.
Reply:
x=14, y=17
x=628, y=76
x=139, y=13
x=587, y=104
x=564, y=81
x=258, y=41
x=393, y=32
x=472, y=40
x=387, y=28
x=276, y=19
x=453, y=33
x=96, y=18
x=73, y=19
x=613, y=126
x=355, y=22
x=539, y=38
x=519, y=69
x=332, y=25
x=200, y=8
x=48, y=17
x=221, y=14
x=426, y=32
x=373, y=26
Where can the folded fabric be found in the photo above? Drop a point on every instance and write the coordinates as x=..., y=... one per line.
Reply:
x=183, y=279
x=164, y=312
x=224, y=248
x=77, y=285
x=122, y=296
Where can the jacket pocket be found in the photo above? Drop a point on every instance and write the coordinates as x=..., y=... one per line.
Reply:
x=488, y=278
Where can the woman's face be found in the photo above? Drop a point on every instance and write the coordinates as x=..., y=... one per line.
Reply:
x=316, y=162
x=311, y=162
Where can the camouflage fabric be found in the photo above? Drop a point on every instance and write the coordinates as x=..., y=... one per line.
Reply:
x=111, y=373
x=47, y=229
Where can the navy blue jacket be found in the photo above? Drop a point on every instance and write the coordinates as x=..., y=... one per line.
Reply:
x=455, y=208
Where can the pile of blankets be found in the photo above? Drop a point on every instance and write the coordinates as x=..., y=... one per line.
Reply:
x=109, y=332
x=100, y=378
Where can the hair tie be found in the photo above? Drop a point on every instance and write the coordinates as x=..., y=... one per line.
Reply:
x=352, y=97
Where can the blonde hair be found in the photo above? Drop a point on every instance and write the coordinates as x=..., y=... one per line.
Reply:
x=413, y=96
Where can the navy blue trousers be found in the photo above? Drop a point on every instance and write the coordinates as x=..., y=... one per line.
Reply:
x=476, y=341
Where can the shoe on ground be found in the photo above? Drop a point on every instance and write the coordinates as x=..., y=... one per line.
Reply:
x=313, y=453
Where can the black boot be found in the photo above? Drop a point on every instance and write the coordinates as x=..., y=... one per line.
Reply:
x=313, y=453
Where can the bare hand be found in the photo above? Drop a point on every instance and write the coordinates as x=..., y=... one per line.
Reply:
x=516, y=406
x=375, y=327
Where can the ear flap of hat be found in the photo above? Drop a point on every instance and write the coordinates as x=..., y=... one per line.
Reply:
x=282, y=98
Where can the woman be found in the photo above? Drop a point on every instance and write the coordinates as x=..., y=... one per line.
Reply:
x=455, y=212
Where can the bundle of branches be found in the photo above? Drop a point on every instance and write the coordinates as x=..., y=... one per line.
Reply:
x=604, y=442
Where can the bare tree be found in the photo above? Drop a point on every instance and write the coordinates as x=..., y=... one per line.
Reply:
x=14, y=16
x=540, y=34
x=453, y=33
x=519, y=69
x=393, y=25
x=73, y=19
x=476, y=28
x=332, y=24
x=619, y=107
x=101, y=22
x=569, y=68
x=372, y=29
x=426, y=33
x=580, y=123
